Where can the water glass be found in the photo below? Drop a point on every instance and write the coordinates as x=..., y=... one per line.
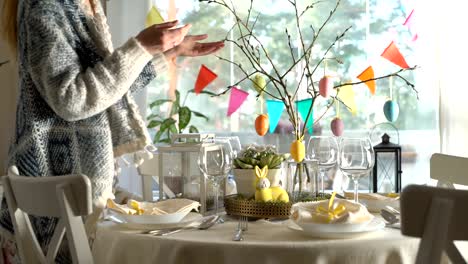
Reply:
x=356, y=159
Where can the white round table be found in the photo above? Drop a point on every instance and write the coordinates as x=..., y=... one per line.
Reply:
x=264, y=242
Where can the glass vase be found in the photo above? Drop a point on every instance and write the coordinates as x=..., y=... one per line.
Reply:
x=302, y=180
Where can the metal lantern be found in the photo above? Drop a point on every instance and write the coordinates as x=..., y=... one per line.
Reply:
x=387, y=168
x=179, y=173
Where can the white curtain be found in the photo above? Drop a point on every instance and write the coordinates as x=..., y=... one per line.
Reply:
x=446, y=22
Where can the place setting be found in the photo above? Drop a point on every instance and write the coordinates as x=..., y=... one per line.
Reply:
x=158, y=218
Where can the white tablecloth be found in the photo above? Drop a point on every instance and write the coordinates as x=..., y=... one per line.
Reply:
x=264, y=242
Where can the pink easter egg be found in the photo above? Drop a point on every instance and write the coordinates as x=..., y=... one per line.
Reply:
x=325, y=86
x=337, y=126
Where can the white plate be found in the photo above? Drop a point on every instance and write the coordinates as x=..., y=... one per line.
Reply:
x=332, y=229
x=157, y=223
x=375, y=206
x=154, y=219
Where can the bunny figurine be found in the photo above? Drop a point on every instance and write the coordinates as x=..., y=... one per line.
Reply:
x=279, y=194
x=266, y=193
x=262, y=185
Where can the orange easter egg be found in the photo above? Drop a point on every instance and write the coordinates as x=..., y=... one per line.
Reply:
x=262, y=123
x=337, y=126
x=325, y=86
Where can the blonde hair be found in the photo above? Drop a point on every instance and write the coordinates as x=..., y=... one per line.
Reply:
x=9, y=16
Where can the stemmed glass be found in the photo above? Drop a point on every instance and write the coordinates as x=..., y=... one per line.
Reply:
x=356, y=159
x=215, y=162
x=324, y=149
x=235, y=144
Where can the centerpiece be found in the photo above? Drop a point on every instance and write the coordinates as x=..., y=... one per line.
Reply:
x=297, y=84
x=251, y=157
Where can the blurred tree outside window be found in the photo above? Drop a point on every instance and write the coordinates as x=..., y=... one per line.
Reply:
x=374, y=24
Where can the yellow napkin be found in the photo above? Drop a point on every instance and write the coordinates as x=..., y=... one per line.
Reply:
x=169, y=206
x=331, y=211
x=119, y=208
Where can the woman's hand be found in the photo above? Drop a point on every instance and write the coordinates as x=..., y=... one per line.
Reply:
x=192, y=48
x=162, y=37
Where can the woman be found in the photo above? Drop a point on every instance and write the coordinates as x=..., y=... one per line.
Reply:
x=75, y=113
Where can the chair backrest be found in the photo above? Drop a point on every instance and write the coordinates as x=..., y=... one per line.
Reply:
x=449, y=170
x=67, y=197
x=438, y=216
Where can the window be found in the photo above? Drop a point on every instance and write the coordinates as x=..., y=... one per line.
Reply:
x=374, y=24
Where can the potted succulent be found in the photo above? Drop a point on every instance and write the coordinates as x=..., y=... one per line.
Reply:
x=261, y=156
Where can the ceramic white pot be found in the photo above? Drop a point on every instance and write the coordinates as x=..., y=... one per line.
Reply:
x=245, y=180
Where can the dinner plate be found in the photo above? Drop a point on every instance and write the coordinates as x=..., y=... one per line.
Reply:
x=334, y=231
x=158, y=222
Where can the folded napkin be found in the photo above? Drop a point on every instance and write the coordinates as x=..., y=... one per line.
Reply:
x=169, y=206
x=331, y=211
x=373, y=196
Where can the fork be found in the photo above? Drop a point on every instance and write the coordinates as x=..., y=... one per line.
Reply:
x=242, y=226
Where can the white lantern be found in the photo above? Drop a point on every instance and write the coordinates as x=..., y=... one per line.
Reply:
x=179, y=174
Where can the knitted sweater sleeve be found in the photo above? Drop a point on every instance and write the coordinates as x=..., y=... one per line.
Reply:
x=158, y=65
x=72, y=90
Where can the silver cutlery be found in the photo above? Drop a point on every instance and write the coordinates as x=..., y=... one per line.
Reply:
x=242, y=226
x=205, y=224
x=390, y=217
x=392, y=210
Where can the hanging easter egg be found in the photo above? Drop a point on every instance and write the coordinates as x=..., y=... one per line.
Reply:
x=391, y=110
x=337, y=126
x=262, y=123
x=259, y=83
x=297, y=150
x=325, y=86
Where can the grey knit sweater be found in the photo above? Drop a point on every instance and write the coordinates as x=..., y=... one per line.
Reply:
x=75, y=113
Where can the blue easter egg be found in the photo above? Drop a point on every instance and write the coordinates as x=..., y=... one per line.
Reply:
x=391, y=110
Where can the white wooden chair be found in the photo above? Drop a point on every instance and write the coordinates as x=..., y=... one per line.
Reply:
x=449, y=170
x=439, y=217
x=66, y=197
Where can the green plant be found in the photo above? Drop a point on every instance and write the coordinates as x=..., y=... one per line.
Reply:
x=169, y=126
x=259, y=156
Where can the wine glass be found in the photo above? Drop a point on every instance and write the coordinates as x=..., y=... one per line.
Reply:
x=235, y=144
x=324, y=149
x=215, y=162
x=356, y=159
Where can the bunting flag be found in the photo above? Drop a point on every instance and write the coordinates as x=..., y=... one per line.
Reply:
x=409, y=23
x=274, y=109
x=392, y=54
x=236, y=100
x=303, y=107
x=205, y=77
x=346, y=95
x=153, y=17
x=368, y=74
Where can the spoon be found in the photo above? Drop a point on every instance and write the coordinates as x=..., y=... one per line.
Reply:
x=389, y=217
x=205, y=224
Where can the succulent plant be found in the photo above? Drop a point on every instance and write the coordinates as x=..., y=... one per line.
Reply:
x=260, y=156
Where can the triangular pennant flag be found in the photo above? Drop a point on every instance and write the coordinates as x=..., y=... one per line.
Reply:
x=368, y=74
x=409, y=21
x=346, y=95
x=275, y=109
x=303, y=107
x=153, y=17
x=235, y=101
x=205, y=76
x=392, y=54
